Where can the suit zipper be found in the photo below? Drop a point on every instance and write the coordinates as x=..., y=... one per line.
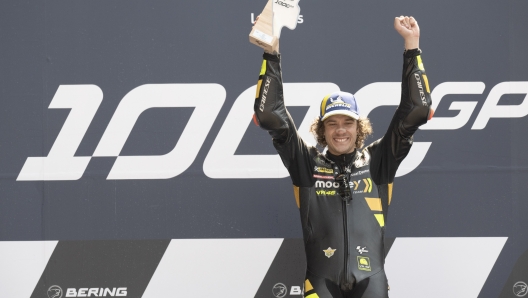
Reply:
x=345, y=220
x=345, y=226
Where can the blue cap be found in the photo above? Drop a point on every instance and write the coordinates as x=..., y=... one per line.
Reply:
x=339, y=103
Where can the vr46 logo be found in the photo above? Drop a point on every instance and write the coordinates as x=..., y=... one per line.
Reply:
x=207, y=99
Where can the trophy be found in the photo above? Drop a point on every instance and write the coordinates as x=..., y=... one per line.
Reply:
x=278, y=14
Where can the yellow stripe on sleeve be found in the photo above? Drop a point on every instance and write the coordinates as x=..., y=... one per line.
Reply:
x=420, y=63
x=296, y=194
x=426, y=83
x=258, y=88
x=390, y=192
x=263, y=68
x=314, y=295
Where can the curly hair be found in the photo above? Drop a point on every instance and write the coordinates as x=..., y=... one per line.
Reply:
x=364, y=129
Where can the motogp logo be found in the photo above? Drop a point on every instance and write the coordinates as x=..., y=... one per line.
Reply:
x=207, y=100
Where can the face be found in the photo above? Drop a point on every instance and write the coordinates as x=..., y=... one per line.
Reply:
x=340, y=134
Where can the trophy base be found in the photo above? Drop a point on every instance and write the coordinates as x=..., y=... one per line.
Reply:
x=269, y=43
x=262, y=32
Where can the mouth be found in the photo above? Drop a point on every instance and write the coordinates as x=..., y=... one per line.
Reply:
x=341, y=140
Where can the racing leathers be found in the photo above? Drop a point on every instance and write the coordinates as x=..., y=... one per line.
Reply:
x=343, y=200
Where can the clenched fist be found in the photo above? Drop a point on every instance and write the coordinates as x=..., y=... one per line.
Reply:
x=409, y=30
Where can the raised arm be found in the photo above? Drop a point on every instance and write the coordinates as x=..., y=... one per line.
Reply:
x=272, y=115
x=415, y=104
x=270, y=111
x=413, y=111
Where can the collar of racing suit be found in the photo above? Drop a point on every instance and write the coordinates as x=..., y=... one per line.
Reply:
x=342, y=160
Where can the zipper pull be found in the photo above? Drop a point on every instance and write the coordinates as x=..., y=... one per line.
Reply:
x=344, y=188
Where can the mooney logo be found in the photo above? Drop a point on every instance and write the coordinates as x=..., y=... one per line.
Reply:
x=326, y=184
x=207, y=100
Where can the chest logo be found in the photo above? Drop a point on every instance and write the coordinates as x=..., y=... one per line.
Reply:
x=361, y=250
x=329, y=252
x=323, y=170
x=358, y=185
x=363, y=263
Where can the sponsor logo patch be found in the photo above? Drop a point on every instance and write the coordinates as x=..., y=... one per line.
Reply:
x=323, y=170
x=329, y=252
x=361, y=250
x=363, y=263
x=359, y=173
x=264, y=94
x=323, y=177
x=338, y=99
x=323, y=192
x=338, y=105
x=362, y=186
x=420, y=88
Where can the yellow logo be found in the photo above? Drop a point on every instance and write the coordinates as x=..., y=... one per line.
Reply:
x=323, y=170
x=363, y=263
x=322, y=192
x=358, y=188
x=329, y=252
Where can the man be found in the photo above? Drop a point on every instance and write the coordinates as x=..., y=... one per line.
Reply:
x=344, y=195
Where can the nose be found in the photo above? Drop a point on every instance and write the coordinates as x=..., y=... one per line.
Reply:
x=340, y=128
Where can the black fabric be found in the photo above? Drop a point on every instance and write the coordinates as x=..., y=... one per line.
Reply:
x=375, y=286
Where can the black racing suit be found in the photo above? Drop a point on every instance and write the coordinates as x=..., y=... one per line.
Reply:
x=343, y=238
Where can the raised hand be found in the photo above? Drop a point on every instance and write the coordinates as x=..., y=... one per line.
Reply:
x=409, y=30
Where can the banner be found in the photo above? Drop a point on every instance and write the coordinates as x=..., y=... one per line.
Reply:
x=128, y=153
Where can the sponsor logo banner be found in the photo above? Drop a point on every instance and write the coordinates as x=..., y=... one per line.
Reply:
x=105, y=268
